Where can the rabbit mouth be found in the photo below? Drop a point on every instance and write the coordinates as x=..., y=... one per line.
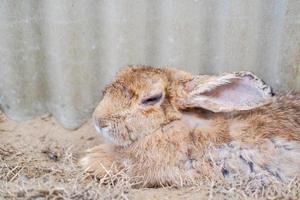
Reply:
x=105, y=133
x=98, y=129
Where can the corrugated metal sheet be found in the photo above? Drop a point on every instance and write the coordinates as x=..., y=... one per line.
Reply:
x=56, y=55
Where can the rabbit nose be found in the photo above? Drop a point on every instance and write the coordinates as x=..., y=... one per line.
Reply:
x=100, y=123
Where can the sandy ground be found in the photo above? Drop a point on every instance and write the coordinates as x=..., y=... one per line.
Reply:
x=39, y=161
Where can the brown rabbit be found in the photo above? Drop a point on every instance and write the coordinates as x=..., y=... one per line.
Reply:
x=172, y=128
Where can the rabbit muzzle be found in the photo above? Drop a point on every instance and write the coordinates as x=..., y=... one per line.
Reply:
x=114, y=131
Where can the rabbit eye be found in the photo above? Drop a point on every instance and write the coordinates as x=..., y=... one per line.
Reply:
x=152, y=100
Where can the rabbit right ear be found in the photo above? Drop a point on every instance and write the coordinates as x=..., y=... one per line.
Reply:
x=230, y=92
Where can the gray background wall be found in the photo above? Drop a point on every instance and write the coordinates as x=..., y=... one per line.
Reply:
x=56, y=55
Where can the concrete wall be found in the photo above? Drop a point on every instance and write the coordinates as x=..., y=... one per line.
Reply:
x=56, y=55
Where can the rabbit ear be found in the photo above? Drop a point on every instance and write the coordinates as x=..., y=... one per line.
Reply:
x=230, y=92
x=177, y=74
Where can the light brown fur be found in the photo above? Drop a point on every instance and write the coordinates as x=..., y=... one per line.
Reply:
x=174, y=141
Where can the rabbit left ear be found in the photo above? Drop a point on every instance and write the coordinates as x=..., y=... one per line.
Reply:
x=230, y=92
x=174, y=74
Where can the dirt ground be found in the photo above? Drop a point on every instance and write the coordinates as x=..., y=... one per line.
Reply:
x=38, y=160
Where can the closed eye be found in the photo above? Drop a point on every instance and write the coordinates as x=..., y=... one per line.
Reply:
x=152, y=100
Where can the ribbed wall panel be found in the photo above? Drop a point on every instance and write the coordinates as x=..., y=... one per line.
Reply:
x=57, y=55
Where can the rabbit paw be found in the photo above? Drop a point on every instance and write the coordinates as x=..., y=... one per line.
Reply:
x=97, y=162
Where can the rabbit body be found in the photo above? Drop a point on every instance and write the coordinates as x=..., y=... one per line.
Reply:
x=168, y=143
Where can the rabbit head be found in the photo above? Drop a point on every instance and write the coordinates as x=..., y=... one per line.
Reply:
x=141, y=99
x=132, y=105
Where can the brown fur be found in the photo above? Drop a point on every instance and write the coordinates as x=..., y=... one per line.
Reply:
x=172, y=143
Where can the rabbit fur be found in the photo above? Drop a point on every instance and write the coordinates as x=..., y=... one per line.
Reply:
x=173, y=128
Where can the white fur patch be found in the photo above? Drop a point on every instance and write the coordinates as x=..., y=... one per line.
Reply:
x=236, y=127
x=193, y=120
